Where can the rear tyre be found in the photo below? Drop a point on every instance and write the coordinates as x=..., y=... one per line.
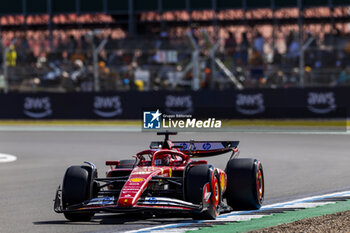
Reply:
x=245, y=184
x=127, y=163
x=76, y=188
x=196, y=178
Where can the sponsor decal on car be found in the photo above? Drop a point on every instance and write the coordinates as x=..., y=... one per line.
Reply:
x=206, y=193
x=183, y=146
x=206, y=146
x=136, y=179
x=142, y=172
x=37, y=107
x=200, y=146
x=101, y=201
x=151, y=200
x=127, y=189
x=170, y=172
x=222, y=182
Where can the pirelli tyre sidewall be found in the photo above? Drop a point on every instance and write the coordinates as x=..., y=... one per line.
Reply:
x=196, y=178
x=245, y=184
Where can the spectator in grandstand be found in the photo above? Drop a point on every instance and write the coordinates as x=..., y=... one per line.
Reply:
x=241, y=57
x=129, y=76
x=256, y=58
x=346, y=48
x=23, y=50
x=162, y=41
x=311, y=51
x=115, y=58
x=275, y=79
x=84, y=45
x=277, y=57
x=230, y=45
x=344, y=77
x=71, y=46
x=290, y=38
x=259, y=43
x=11, y=56
x=292, y=79
x=60, y=47
x=293, y=50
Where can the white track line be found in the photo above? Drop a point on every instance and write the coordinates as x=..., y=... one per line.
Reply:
x=176, y=230
x=6, y=158
x=307, y=205
x=235, y=218
x=337, y=194
x=237, y=215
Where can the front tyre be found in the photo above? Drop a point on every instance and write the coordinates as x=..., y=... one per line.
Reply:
x=245, y=184
x=196, y=179
x=77, y=188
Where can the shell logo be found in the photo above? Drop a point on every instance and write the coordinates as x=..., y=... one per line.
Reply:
x=136, y=179
x=170, y=172
x=222, y=182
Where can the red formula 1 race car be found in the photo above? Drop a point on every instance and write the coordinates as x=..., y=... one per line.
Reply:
x=164, y=178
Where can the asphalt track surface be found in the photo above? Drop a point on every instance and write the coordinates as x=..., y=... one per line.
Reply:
x=295, y=165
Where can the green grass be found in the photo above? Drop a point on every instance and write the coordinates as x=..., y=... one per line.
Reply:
x=277, y=219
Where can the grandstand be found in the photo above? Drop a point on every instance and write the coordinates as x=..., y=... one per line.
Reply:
x=136, y=15
x=146, y=45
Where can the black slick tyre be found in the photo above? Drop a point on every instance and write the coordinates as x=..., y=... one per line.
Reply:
x=76, y=188
x=245, y=184
x=196, y=177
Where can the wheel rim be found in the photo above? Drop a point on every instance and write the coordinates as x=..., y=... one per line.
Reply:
x=215, y=196
x=259, y=185
x=216, y=191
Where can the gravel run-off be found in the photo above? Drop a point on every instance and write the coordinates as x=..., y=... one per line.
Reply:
x=333, y=223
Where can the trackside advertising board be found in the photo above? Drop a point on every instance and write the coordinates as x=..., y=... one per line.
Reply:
x=194, y=108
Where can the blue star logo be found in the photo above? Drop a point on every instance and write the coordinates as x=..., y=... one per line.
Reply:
x=151, y=120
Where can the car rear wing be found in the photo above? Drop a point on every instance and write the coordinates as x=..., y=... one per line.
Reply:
x=200, y=148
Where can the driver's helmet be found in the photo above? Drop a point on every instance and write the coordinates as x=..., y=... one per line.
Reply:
x=177, y=160
x=164, y=161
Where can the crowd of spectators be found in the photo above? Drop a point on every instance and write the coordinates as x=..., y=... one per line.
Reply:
x=63, y=61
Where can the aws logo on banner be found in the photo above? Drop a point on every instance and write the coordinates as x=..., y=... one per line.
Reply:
x=107, y=106
x=37, y=107
x=250, y=104
x=178, y=104
x=321, y=102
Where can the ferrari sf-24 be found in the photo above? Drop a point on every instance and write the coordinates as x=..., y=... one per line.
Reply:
x=165, y=178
